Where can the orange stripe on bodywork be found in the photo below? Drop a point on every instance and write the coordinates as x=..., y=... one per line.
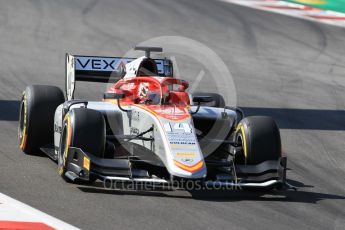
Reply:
x=172, y=117
x=24, y=225
x=192, y=168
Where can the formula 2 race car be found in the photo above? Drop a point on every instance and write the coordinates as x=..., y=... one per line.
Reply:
x=148, y=128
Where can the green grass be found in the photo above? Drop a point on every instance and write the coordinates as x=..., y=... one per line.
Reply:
x=335, y=5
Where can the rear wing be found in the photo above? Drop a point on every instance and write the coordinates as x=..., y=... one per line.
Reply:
x=102, y=69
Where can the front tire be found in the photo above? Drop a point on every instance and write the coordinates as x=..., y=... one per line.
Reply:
x=36, y=118
x=85, y=129
x=260, y=138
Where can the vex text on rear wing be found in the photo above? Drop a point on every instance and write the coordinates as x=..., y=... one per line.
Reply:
x=102, y=69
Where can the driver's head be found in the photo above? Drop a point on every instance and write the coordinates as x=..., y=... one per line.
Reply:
x=148, y=67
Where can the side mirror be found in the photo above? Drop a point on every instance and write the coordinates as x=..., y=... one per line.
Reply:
x=116, y=96
x=202, y=99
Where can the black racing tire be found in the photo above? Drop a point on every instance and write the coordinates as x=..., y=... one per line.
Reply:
x=260, y=138
x=218, y=100
x=36, y=117
x=85, y=129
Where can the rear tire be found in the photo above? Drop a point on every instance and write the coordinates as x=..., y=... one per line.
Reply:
x=260, y=138
x=36, y=118
x=218, y=100
x=85, y=129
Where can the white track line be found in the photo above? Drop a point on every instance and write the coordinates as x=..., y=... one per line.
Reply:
x=13, y=210
x=294, y=10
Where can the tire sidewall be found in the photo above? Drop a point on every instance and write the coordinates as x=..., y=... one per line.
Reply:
x=257, y=149
x=38, y=103
x=69, y=138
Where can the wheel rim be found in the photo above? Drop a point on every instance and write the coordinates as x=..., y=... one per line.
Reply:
x=239, y=141
x=21, y=120
x=22, y=129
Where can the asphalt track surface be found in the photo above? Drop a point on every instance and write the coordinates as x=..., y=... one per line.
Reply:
x=291, y=69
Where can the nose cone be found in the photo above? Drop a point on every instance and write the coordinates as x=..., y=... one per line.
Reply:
x=182, y=156
x=188, y=170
